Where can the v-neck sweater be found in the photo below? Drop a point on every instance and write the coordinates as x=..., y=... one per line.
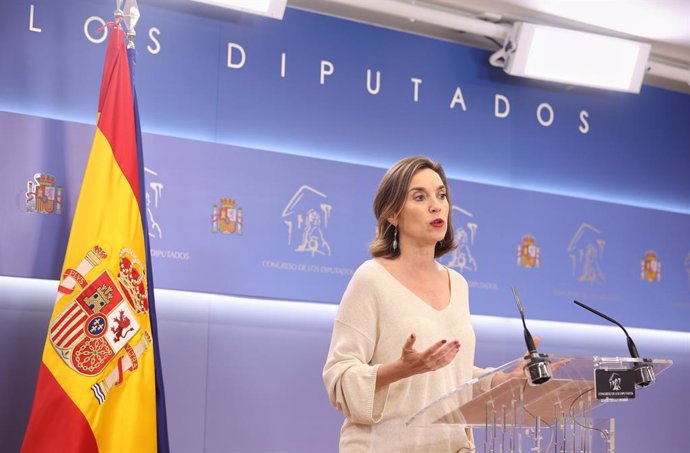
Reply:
x=376, y=315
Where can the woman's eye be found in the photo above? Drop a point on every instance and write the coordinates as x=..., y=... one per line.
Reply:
x=443, y=196
x=419, y=197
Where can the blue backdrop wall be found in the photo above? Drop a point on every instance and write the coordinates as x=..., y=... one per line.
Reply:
x=264, y=142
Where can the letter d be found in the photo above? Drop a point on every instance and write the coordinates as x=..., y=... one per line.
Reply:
x=243, y=56
x=500, y=99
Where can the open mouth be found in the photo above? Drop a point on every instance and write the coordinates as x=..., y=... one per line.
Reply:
x=438, y=223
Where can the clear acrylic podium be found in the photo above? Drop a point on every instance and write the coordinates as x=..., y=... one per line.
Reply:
x=516, y=417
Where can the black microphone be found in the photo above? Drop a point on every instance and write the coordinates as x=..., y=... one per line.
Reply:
x=644, y=374
x=539, y=369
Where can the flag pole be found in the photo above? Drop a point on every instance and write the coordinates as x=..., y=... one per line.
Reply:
x=130, y=16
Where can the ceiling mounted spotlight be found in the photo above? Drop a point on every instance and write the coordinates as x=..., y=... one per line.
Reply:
x=270, y=8
x=573, y=57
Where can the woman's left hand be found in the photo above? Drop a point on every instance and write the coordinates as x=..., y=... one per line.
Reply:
x=517, y=372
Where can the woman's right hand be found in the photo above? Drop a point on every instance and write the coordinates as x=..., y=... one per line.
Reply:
x=436, y=356
x=413, y=362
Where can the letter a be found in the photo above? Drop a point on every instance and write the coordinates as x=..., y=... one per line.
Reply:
x=458, y=99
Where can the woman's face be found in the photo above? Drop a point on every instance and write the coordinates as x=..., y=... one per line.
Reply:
x=423, y=220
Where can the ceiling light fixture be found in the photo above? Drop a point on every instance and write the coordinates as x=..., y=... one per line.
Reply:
x=573, y=57
x=270, y=8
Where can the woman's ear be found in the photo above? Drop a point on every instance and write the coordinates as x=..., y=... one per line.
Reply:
x=393, y=220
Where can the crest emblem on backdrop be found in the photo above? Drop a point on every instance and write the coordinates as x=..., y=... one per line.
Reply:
x=43, y=196
x=306, y=216
x=227, y=218
x=466, y=228
x=528, y=252
x=586, y=250
x=154, y=193
x=650, y=267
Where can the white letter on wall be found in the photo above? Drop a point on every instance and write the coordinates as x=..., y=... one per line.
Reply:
x=157, y=48
x=326, y=69
x=31, y=20
x=497, y=110
x=283, y=57
x=231, y=46
x=549, y=121
x=584, y=127
x=458, y=99
x=416, y=88
x=86, y=29
x=378, y=82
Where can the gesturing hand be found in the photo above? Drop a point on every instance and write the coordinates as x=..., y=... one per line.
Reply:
x=436, y=356
x=519, y=370
x=413, y=362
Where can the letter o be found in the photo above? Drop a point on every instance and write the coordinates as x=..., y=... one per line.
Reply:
x=549, y=121
x=87, y=22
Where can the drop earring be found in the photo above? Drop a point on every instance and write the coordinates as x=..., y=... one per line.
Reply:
x=395, y=239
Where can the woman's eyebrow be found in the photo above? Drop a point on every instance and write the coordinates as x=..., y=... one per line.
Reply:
x=441, y=187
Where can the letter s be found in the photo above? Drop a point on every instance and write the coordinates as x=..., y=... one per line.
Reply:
x=157, y=48
x=584, y=127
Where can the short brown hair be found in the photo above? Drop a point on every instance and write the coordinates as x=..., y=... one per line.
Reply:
x=389, y=201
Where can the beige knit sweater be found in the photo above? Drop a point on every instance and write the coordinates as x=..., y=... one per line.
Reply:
x=376, y=315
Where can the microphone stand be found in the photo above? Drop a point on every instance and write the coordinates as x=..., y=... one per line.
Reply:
x=538, y=370
x=644, y=374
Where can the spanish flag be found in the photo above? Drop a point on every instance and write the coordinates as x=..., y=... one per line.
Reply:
x=99, y=385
